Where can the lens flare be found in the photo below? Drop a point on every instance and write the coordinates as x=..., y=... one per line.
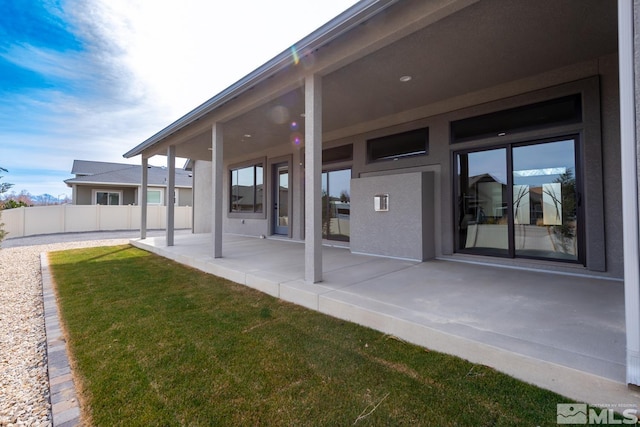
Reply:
x=296, y=138
x=294, y=54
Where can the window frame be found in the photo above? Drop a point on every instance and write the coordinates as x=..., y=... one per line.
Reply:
x=95, y=191
x=254, y=163
x=510, y=146
x=569, y=110
x=388, y=140
x=161, y=203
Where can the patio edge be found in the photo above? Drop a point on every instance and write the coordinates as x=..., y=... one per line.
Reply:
x=568, y=382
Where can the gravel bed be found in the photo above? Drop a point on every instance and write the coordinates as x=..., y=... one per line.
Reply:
x=24, y=382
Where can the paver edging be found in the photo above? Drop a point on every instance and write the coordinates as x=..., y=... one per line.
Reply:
x=65, y=408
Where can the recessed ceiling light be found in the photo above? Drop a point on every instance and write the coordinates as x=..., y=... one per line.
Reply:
x=247, y=135
x=405, y=79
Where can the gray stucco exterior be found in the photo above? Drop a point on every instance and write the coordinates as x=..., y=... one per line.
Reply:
x=581, y=61
x=406, y=229
x=595, y=79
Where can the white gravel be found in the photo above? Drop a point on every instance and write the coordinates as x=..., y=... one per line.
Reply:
x=24, y=383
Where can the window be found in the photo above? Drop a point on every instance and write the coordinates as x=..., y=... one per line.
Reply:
x=154, y=197
x=107, y=198
x=400, y=145
x=343, y=153
x=247, y=189
x=554, y=112
x=336, y=204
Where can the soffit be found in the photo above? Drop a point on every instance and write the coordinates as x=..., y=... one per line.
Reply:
x=483, y=45
x=486, y=44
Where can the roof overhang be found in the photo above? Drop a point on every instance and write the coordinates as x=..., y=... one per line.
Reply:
x=339, y=25
x=459, y=52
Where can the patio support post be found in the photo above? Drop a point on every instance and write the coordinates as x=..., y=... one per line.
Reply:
x=142, y=198
x=216, y=185
x=312, y=178
x=629, y=171
x=171, y=188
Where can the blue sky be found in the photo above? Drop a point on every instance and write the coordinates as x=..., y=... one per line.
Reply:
x=90, y=79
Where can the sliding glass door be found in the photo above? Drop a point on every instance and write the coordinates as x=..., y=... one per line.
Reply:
x=544, y=200
x=483, y=194
x=520, y=201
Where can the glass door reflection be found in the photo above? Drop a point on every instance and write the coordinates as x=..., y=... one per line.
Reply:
x=336, y=205
x=281, y=206
x=483, y=225
x=544, y=200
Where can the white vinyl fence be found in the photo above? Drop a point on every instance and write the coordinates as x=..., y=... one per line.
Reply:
x=34, y=220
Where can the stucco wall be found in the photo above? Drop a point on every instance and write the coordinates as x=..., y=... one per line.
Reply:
x=601, y=156
x=83, y=195
x=406, y=230
x=598, y=81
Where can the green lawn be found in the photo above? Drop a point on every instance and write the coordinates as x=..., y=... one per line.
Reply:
x=155, y=343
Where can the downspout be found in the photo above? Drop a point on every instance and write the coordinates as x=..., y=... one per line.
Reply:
x=629, y=173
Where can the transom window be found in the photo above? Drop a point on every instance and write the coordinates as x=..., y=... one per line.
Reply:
x=554, y=112
x=247, y=195
x=398, y=146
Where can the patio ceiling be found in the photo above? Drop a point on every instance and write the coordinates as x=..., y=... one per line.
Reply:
x=486, y=44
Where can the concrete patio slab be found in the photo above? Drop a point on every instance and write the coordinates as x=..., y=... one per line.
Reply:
x=561, y=332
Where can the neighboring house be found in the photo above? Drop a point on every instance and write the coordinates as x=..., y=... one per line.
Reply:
x=103, y=183
x=489, y=131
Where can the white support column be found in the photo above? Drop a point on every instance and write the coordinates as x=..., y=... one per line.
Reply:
x=629, y=172
x=193, y=197
x=217, y=141
x=171, y=188
x=312, y=178
x=143, y=198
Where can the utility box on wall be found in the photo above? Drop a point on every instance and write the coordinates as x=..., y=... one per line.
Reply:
x=393, y=215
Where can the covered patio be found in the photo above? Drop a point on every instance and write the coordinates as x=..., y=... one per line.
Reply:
x=562, y=332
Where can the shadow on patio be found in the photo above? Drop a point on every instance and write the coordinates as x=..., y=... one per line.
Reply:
x=564, y=333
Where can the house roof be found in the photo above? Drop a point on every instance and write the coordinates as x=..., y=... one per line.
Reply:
x=90, y=172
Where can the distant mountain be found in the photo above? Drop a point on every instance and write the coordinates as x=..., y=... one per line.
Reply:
x=33, y=200
x=44, y=199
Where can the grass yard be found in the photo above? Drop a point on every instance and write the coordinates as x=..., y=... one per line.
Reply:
x=154, y=343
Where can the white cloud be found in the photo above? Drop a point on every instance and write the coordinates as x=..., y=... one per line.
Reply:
x=46, y=62
x=183, y=53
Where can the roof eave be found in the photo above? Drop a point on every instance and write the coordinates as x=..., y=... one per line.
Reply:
x=339, y=25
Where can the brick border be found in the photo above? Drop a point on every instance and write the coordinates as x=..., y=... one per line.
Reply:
x=65, y=408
